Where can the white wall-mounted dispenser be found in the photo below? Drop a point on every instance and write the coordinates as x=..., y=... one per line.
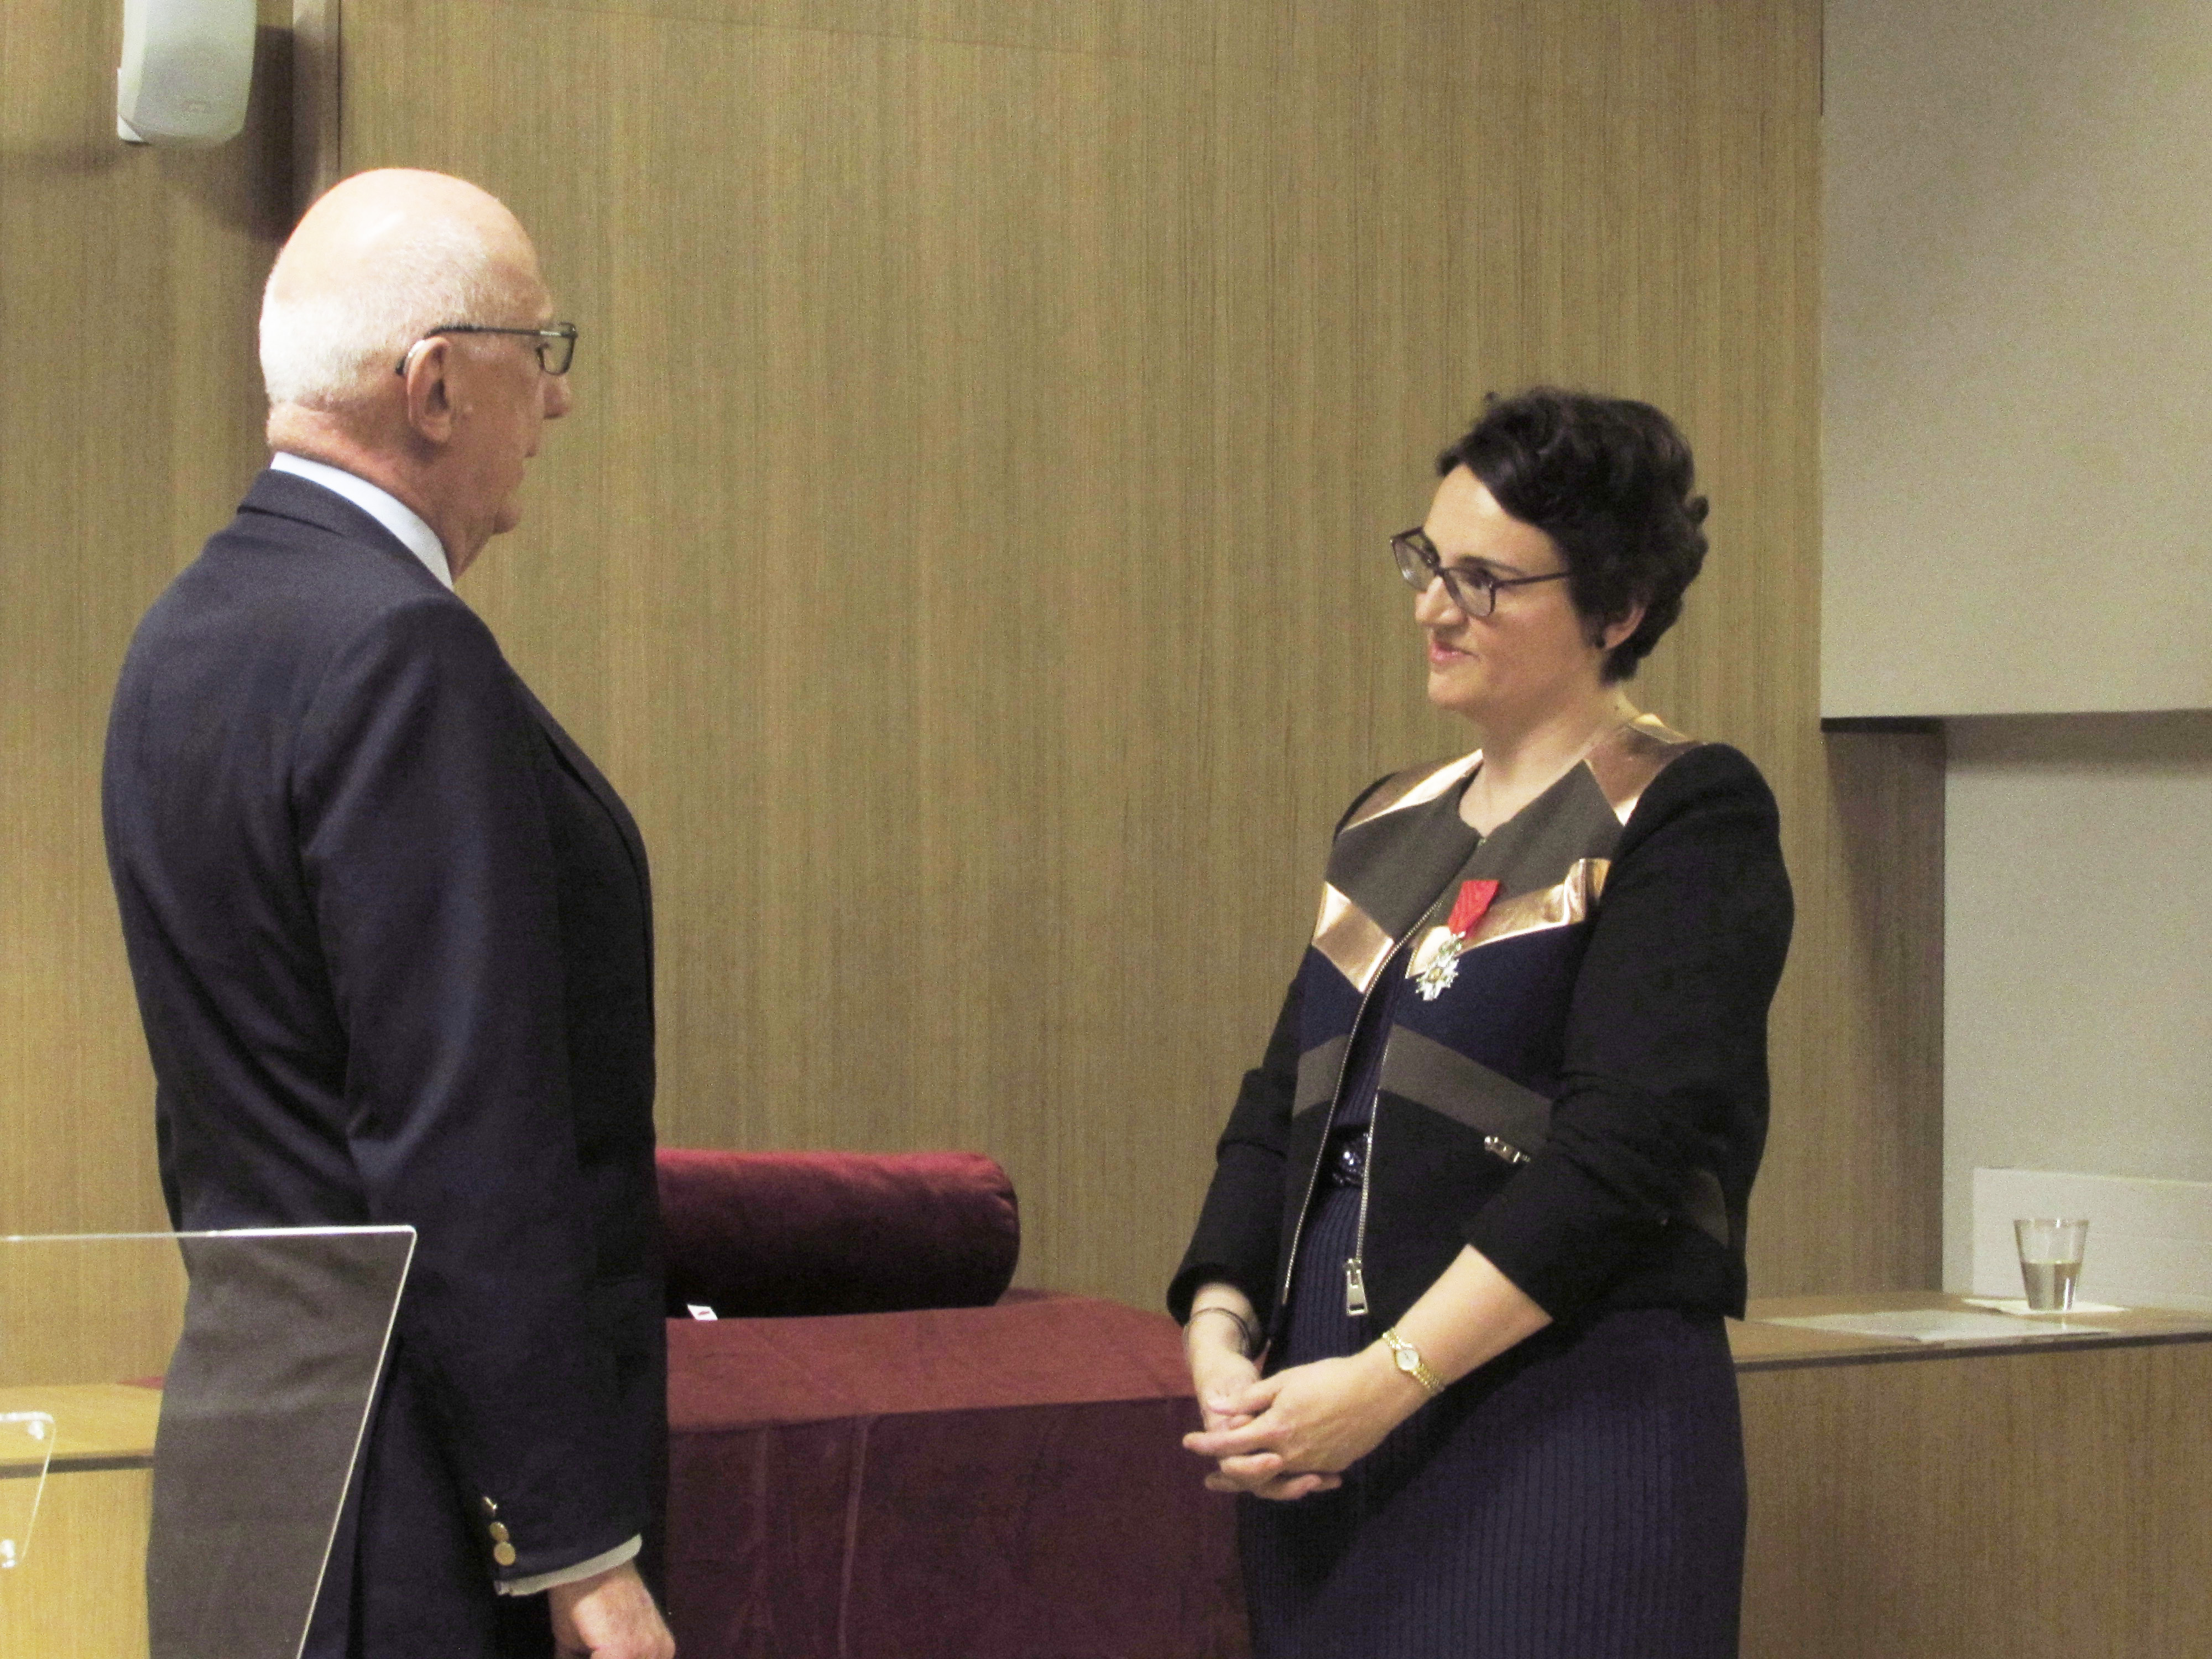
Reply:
x=188, y=67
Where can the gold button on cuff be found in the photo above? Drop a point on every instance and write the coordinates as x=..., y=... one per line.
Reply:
x=503, y=1553
x=491, y=1508
x=498, y=1533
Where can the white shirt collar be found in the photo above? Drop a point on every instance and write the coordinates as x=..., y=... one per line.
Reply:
x=381, y=505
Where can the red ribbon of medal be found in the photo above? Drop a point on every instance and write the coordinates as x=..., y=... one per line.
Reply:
x=1436, y=962
x=1470, y=906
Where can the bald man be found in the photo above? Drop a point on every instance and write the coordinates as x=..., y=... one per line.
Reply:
x=392, y=936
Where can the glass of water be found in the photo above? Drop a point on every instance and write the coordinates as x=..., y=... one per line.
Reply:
x=2050, y=1261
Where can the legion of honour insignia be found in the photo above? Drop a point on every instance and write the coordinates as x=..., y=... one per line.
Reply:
x=1435, y=963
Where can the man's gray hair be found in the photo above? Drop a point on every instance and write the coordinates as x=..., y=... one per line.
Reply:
x=327, y=351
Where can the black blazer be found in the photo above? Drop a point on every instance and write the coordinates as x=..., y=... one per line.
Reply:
x=391, y=936
x=1584, y=1098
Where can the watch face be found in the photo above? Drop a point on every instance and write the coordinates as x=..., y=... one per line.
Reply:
x=1408, y=1360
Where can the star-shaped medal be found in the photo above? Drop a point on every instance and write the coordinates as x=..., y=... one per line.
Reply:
x=1435, y=963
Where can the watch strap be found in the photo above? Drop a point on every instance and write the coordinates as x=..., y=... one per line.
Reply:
x=1407, y=1358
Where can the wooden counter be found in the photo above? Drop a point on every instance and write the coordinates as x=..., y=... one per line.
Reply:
x=2045, y=1497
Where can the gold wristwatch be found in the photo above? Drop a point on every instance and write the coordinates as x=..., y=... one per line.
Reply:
x=1407, y=1358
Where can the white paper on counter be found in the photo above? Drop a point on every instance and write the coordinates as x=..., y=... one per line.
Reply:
x=1937, y=1325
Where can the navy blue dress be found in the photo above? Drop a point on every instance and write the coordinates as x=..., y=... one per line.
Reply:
x=1580, y=1497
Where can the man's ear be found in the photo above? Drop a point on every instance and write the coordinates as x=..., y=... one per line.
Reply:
x=429, y=397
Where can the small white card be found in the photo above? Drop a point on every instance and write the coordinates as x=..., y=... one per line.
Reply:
x=700, y=1310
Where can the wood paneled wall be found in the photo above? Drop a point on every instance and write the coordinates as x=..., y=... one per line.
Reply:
x=130, y=424
x=81, y=1594
x=967, y=550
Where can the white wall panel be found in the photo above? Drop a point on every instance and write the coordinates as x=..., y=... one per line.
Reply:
x=2078, y=985
x=2017, y=350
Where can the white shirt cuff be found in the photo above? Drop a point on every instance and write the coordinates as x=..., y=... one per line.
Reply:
x=545, y=1581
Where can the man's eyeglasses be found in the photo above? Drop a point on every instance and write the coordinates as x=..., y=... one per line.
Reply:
x=1472, y=589
x=556, y=344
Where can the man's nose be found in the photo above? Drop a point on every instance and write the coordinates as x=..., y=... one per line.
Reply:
x=558, y=398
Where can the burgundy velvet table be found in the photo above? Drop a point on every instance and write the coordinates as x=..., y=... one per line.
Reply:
x=961, y=1483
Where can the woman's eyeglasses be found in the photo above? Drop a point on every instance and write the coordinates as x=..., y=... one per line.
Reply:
x=1470, y=587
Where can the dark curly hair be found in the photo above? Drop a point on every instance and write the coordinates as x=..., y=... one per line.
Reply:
x=1609, y=480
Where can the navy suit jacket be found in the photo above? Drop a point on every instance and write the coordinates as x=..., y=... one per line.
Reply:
x=392, y=936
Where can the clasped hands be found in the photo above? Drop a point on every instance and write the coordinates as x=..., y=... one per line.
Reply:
x=1287, y=1436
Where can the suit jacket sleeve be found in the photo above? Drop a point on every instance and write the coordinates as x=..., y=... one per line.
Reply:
x=1665, y=1066
x=426, y=853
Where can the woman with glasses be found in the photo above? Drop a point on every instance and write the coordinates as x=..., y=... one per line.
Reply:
x=1454, y=1305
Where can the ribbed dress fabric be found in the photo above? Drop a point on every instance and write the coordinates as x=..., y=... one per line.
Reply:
x=1580, y=1497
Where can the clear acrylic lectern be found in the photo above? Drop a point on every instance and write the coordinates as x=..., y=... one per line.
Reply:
x=180, y=1415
